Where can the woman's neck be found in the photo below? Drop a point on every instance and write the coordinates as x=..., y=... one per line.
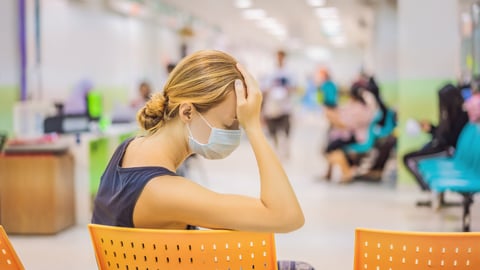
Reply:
x=168, y=147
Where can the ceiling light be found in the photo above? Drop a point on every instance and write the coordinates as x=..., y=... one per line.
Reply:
x=316, y=3
x=326, y=13
x=318, y=53
x=268, y=23
x=243, y=3
x=331, y=27
x=254, y=14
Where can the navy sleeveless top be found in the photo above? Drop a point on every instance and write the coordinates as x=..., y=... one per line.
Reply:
x=120, y=188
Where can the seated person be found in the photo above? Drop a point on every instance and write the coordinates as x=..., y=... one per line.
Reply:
x=144, y=92
x=350, y=123
x=444, y=137
x=207, y=98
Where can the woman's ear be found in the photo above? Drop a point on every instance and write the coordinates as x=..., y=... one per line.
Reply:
x=185, y=112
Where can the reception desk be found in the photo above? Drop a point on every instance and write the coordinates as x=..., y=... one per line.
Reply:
x=44, y=192
x=37, y=192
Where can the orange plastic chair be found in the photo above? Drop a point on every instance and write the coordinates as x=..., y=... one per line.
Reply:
x=392, y=250
x=133, y=248
x=8, y=257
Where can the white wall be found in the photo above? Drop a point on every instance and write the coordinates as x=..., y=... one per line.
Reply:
x=384, y=44
x=9, y=57
x=424, y=39
x=88, y=42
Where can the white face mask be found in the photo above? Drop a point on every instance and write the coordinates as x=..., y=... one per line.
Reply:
x=221, y=142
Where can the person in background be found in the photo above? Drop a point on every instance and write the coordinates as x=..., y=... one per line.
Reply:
x=144, y=93
x=207, y=99
x=350, y=123
x=278, y=105
x=444, y=136
x=328, y=89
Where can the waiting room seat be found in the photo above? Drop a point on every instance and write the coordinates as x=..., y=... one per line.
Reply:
x=396, y=250
x=388, y=127
x=459, y=173
x=133, y=248
x=8, y=257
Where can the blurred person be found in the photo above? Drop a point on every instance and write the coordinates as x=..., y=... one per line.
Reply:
x=170, y=67
x=444, y=136
x=369, y=83
x=144, y=93
x=207, y=99
x=328, y=89
x=350, y=123
x=278, y=105
x=383, y=146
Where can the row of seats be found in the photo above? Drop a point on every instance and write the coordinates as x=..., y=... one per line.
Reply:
x=131, y=248
x=458, y=173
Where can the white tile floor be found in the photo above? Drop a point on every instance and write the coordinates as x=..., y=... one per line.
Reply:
x=332, y=211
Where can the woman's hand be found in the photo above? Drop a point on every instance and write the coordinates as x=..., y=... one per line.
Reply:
x=249, y=100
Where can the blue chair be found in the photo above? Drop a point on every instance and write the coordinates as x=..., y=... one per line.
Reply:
x=460, y=157
x=459, y=173
x=388, y=127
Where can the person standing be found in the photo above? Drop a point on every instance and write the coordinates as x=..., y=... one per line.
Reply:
x=328, y=89
x=278, y=105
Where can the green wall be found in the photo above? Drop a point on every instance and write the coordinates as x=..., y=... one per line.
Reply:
x=8, y=97
x=112, y=96
x=389, y=93
x=417, y=99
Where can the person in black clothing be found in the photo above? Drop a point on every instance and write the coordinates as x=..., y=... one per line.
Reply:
x=444, y=136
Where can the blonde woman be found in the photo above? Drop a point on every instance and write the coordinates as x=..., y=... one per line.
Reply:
x=205, y=101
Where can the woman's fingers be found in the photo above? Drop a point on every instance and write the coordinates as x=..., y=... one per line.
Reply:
x=240, y=92
x=249, y=80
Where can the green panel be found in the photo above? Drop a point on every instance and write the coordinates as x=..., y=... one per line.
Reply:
x=124, y=136
x=112, y=97
x=389, y=93
x=99, y=155
x=417, y=99
x=8, y=97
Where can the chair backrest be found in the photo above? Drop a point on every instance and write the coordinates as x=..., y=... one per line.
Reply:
x=8, y=257
x=394, y=250
x=389, y=125
x=467, y=140
x=133, y=248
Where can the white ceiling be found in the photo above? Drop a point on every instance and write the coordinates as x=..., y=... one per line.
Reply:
x=302, y=25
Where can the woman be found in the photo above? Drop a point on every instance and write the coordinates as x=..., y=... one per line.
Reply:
x=444, y=136
x=206, y=99
x=350, y=123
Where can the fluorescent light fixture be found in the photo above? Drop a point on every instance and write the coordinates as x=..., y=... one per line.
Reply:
x=331, y=27
x=318, y=53
x=327, y=12
x=273, y=27
x=316, y=3
x=243, y=3
x=268, y=23
x=254, y=14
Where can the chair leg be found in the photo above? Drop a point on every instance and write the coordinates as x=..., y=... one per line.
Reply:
x=467, y=202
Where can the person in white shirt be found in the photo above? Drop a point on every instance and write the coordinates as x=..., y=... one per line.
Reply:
x=278, y=105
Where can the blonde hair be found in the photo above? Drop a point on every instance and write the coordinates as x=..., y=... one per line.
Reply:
x=203, y=78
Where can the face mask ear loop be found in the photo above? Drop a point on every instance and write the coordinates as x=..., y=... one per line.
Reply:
x=205, y=120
